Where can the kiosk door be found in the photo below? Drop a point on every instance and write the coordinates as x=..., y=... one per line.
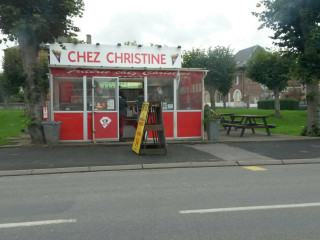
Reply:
x=105, y=108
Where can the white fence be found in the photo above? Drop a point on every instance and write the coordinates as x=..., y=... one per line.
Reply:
x=12, y=106
x=231, y=105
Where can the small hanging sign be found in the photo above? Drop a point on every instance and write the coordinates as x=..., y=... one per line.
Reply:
x=45, y=114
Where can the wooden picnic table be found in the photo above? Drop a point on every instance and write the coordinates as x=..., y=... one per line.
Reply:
x=223, y=119
x=248, y=121
x=225, y=114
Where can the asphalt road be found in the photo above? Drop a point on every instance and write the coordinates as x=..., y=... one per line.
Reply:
x=147, y=204
x=283, y=149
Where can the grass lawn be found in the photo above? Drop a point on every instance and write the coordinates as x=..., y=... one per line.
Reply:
x=291, y=122
x=11, y=123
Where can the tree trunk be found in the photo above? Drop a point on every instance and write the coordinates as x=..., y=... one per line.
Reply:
x=224, y=102
x=6, y=101
x=212, y=92
x=26, y=103
x=277, y=103
x=313, y=106
x=34, y=96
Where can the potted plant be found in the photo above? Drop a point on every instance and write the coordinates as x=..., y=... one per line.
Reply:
x=212, y=124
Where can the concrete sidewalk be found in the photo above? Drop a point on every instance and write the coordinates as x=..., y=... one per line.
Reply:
x=25, y=140
x=233, y=150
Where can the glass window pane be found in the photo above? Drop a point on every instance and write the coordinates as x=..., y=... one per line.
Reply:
x=105, y=94
x=67, y=93
x=161, y=90
x=189, y=92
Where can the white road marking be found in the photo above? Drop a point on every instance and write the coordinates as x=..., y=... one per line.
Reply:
x=37, y=223
x=234, y=209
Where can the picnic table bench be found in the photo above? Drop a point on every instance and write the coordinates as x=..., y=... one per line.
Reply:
x=248, y=121
x=225, y=122
x=223, y=117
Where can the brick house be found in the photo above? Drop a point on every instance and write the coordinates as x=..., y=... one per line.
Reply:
x=245, y=92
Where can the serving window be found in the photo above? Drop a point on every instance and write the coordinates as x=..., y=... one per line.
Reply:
x=104, y=92
x=67, y=93
x=161, y=90
x=189, y=92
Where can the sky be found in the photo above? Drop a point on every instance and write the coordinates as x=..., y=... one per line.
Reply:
x=198, y=24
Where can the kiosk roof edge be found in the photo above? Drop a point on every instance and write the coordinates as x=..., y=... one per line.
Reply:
x=130, y=68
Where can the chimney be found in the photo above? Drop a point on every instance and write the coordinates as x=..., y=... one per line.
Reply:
x=88, y=39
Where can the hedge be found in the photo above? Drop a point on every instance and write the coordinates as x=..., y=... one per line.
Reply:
x=285, y=104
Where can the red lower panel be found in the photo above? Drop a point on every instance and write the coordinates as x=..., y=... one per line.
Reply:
x=189, y=124
x=71, y=127
x=89, y=126
x=168, y=124
x=105, y=124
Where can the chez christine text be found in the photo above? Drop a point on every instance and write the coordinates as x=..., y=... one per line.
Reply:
x=114, y=57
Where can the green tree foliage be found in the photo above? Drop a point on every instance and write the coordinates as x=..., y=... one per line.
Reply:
x=42, y=71
x=195, y=58
x=13, y=79
x=296, y=26
x=2, y=91
x=38, y=20
x=220, y=63
x=271, y=69
x=32, y=23
x=13, y=76
x=222, y=66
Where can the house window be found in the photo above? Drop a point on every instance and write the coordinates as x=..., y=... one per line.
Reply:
x=206, y=97
x=220, y=97
x=237, y=79
x=237, y=96
x=286, y=89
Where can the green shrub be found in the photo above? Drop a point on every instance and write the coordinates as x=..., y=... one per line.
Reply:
x=266, y=104
x=289, y=104
x=206, y=110
x=210, y=115
x=285, y=104
x=314, y=133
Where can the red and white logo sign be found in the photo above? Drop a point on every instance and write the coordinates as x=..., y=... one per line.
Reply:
x=45, y=115
x=105, y=121
x=90, y=55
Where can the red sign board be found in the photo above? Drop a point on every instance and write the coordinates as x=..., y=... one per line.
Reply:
x=91, y=55
x=123, y=73
x=115, y=73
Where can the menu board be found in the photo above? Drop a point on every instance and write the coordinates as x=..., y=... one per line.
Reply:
x=139, y=132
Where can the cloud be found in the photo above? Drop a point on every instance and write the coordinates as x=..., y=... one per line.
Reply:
x=203, y=23
x=199, y=24
x=162, y=29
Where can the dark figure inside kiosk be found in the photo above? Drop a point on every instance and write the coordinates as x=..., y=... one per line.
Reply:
x=122, y=113
x=138, y=104
x=130, y=104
